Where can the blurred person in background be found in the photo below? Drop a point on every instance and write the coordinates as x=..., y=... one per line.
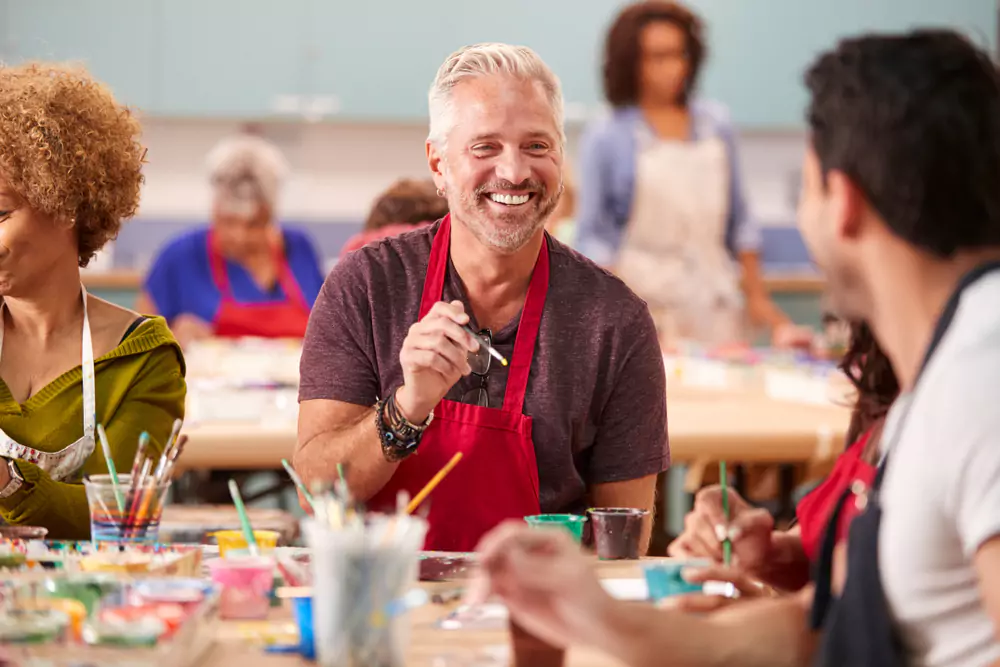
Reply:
x=407, y=204
x=662, y=201
x=70, y=173
x=782, y=559
x=243, y=275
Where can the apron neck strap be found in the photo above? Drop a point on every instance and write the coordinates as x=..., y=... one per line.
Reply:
x=218, y=265
x=437, y=266
x=531, y=314
x=527, y=332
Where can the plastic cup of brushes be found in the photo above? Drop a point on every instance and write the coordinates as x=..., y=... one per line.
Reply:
x=135, y=521
x=362, y=574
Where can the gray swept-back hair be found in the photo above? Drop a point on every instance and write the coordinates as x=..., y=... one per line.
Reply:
x=485, y=60
x=246, y=171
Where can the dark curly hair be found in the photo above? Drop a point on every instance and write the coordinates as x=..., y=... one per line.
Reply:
x=407, y=201
x=622, y=52
x=68, y=150
x=868, y=368
x=914, y=121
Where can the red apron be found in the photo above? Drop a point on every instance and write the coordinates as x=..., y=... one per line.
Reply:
x=497, y=478
x=815, y=508
x=275, y=319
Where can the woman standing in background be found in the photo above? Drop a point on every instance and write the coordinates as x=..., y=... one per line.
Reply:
x=661, y=200
x=243, y=275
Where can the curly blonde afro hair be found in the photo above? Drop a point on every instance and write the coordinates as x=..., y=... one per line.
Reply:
x=68, y=150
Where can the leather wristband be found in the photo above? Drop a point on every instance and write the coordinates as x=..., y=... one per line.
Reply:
x=398, y=436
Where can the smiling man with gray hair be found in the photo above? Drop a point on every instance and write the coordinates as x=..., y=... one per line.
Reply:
x=397, y=375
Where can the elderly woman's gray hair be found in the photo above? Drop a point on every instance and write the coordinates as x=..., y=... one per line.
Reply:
x=246, y=173
x=485, y=60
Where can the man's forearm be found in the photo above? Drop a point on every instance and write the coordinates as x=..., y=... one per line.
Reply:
x=767, y=633
x=357, y=446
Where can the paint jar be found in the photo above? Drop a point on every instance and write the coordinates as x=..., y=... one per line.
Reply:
x=572, y=523
x=234, y=540
x=302, y=607
x=617, y=531
x=245, y=586
x=663, y=578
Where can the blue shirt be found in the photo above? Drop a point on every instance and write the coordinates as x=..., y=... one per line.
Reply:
x=181, y=278
x=607, y=171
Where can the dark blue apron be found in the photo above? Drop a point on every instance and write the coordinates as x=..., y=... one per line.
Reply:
x=858, y=630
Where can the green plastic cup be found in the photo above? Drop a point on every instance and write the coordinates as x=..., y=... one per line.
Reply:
x=573, y=523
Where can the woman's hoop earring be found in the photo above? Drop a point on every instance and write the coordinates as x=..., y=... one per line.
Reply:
x=440, y=192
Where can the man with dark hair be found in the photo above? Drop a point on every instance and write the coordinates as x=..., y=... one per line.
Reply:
x=661, y=192
x=901, y=208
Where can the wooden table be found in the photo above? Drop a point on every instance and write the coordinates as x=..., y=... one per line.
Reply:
x=702, y=424
x=429, y=646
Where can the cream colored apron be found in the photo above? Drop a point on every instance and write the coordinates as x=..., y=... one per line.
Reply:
x=673, y=253
x=65, y=464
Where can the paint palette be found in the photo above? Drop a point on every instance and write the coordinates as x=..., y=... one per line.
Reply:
x=446, y=566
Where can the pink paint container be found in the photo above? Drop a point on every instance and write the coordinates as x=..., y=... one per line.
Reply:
x=244, y=586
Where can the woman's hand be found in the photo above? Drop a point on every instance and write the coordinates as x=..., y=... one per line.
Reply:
x=787, y=335
x=744, y=587
x=547, y=584
x=705, y=529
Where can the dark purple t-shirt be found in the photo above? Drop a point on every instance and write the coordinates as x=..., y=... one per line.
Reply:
x=597, y=389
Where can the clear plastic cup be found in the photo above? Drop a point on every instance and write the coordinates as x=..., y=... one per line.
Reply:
x=360, y=582
x=136, y=520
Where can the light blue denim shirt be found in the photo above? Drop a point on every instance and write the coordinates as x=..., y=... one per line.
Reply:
x=606, y=174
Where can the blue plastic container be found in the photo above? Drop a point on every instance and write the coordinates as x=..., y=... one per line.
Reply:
x=303, y=609
x=663, y=579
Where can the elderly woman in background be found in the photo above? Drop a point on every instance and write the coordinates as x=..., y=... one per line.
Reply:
x=407, y=204
x=243, y=275
x=70, y=172
x=661, y=195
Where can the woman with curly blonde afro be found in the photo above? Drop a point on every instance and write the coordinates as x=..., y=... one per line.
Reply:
x=70, y=173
